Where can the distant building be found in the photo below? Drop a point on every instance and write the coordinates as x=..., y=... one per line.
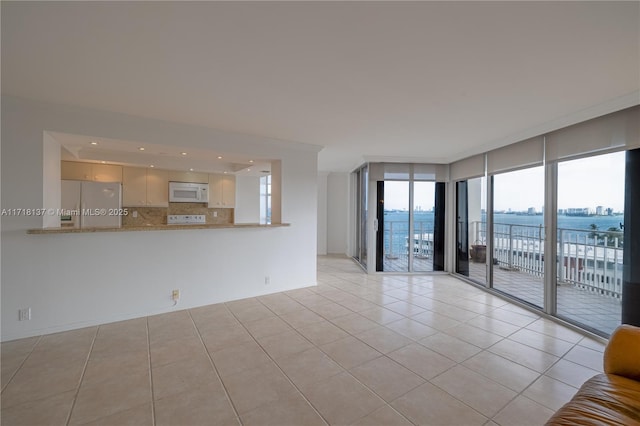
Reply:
x=600, y=211
x=584, y=211
x=531, y=210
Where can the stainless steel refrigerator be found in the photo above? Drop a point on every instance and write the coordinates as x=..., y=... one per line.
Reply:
x=91, y=204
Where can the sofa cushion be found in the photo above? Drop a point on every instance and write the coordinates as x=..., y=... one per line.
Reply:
x=605, y=399
x=622, y=355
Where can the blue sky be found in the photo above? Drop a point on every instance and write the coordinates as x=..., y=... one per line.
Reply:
x=587, y=182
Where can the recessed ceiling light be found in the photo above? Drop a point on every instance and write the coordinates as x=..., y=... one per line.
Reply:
x=141, y=148
x=225, y=173
x=152, y=166
x=248, y=170
x=251, y=161
x=190, y=170
x=219, y=157
x=103, y=162
x=183, y=153
x=94, y=143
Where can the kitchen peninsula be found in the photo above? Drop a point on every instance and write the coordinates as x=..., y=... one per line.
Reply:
x=168, y=227
x=77, y=279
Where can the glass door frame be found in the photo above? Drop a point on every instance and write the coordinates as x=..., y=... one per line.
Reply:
x=360, y=184
x=439, y=210
x=488, y=230
x=551, y=249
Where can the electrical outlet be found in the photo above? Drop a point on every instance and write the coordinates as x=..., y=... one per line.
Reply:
x=267, y=280
x=24, y=314
x=215, y=214
x=175, y=295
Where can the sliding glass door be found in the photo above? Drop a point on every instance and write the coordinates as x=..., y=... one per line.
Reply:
x=410, y=226
x=590, y=241
x=518, y=234
x=554, y=234
x=395, y=225
x=471, y=229
x=361, y=180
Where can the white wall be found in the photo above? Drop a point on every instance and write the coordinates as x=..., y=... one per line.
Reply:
x=247, y=199
x=51, y=193
x=75, y=280
x=338, y=213
x=322, y=212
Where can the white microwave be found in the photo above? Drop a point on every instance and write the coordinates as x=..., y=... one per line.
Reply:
x=184, y=192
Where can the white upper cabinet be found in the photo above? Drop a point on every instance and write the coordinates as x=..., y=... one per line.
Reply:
x=222, y=191
x=191, y=177
x=145, y=187
x=75, y=170
x=72, y=170
x=134, y=186
x=157, y=188
x=106, y=173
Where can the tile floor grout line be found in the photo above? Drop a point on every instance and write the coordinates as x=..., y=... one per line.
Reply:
x=426, y=380
x=22, y=363
x=345, y=370
x=453, y=396
x=540, y=374
x=346, y=285
x=490, y=418
x=84, y=370
x=215, y=369
x=153, y=399
x=274, y=361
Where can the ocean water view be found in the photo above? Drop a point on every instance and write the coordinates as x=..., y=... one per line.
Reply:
x=396, y=224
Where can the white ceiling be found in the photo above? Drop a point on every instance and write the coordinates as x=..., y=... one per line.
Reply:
x=427, y=81
x=132, y=153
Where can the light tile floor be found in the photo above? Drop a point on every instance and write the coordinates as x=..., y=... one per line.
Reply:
x=356, y=349
x=582, y=306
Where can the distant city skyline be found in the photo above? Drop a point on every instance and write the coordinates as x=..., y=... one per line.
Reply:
x=396, y=195
x=584, y=183
x=587, y=182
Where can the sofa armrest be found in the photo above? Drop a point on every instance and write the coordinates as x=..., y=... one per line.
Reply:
x=622, y=354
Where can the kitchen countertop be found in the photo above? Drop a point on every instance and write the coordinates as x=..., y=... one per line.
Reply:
x=152, y=228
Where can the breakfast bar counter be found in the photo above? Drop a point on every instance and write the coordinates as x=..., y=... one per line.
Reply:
x=171, y=227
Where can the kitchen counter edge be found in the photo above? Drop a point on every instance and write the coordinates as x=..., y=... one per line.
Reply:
x=151, y=228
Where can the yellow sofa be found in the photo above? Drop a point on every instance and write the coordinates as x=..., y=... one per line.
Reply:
x=612, y=398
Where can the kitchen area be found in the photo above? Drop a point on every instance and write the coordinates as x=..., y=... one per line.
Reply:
x=112, y=196
x=66, y=276
x=114, y=186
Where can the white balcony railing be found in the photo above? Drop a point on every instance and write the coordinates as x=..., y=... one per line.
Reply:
x=396, y=236
x=587, y=259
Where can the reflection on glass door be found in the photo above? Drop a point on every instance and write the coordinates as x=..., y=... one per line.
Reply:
x=361, y=177
x=590, y=241
x=395, y=226
x=410, y=221
x=471, y=229
x=462, y=229
x=424, y=210
x=518, y=234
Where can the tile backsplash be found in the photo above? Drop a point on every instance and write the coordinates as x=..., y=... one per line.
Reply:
x=158, y=215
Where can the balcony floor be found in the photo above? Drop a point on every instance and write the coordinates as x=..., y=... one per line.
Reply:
x=578, y=305
x=401, y=264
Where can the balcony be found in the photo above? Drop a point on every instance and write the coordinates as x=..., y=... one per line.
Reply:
x=589, y=262
x=396, y=246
